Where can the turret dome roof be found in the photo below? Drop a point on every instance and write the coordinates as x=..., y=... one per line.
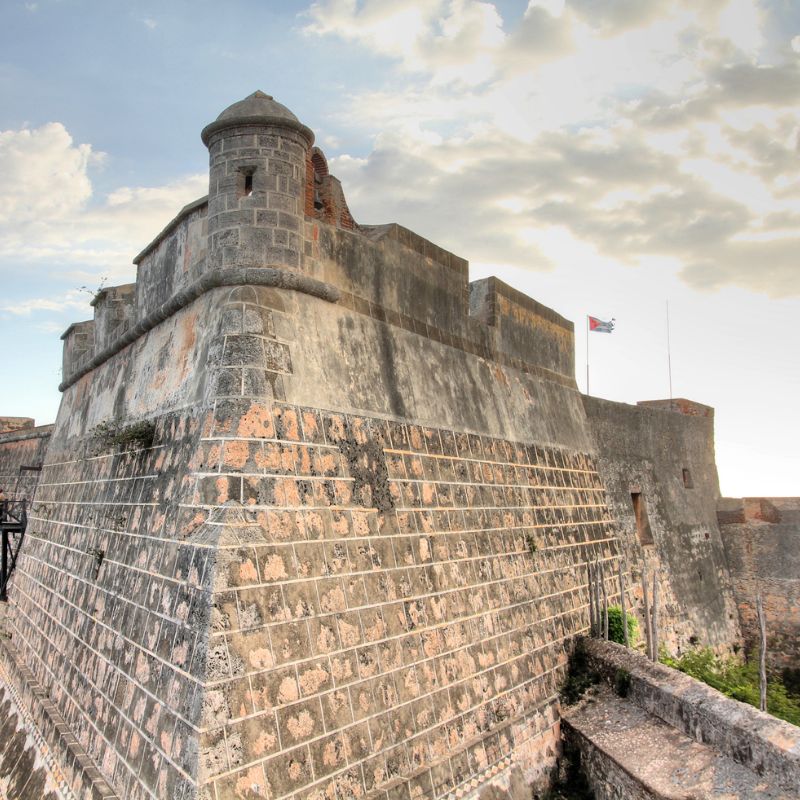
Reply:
x=256, y=109
x=257, y=104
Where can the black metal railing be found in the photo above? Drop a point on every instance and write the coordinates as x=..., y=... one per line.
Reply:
x=13, y=521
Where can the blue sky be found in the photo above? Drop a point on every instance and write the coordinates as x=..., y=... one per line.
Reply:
x=602, y=157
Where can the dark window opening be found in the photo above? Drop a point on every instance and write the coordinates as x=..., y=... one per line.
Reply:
x=245, y=182
x=642, y=522
x=687, y=479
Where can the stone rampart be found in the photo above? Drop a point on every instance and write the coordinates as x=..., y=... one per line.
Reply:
x=314, y=516
x=658, y=456
x=762, y=544
x=700, y=752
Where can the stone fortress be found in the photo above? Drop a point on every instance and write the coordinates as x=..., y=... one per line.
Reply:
x=314, y=517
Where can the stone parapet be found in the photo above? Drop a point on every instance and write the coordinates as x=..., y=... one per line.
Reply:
x=764, y=744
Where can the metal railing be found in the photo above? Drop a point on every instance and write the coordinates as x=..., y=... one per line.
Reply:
x=13, y=521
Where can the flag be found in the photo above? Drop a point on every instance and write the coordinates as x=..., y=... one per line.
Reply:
x=600, y=326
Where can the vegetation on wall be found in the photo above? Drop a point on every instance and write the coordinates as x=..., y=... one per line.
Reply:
x=615, y=630
x=738, y=680
x=113, y=435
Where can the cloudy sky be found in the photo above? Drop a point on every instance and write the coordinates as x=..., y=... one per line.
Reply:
x=605, y=156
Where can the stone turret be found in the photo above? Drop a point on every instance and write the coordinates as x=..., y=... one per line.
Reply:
x=258, y=151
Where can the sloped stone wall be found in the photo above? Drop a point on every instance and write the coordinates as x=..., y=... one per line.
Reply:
x=397, y=611
x=664, y=451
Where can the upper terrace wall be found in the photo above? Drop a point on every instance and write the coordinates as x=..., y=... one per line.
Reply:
x=22, y=448
x=667, y=457
x=385, y=271
x=175, y=259
x=762, y=544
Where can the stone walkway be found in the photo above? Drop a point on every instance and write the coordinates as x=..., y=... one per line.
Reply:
x=629, y=753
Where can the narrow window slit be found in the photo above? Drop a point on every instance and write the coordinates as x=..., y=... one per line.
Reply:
x=643, y=530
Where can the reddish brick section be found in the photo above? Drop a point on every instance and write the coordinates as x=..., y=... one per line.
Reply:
x=8, y=424
x=680, y=405
x=322, y=187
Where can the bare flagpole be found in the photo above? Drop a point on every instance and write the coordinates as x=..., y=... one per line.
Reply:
x=587, y=354
x=669, y=359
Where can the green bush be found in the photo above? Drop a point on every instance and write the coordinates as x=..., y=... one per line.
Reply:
x=615, y=631
x=737, y=680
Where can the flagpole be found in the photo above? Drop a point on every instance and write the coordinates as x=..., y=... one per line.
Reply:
x=587, y=354
x=669, y=359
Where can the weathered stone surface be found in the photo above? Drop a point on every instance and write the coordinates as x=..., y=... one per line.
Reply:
x=334, y=544
x=21, y=449
x=762, y=545
x=664, y=451
x=630, y=754
x=765, y=745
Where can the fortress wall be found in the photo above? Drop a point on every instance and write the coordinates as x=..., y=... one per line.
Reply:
x=114, y=313
x=393, y=269
x=761, y=536
x=352, y=558
x=522, y=328
x=315, y=530
x=384, y=621
x=394, y=275
x=22, y=448
x=329, y=536
x=78, y=346
x=343, y=359
x=645, y=449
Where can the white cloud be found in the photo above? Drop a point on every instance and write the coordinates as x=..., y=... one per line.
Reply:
x=49, y=217
x=454, y=40
x=644, y=133
x=44, y=174
x=150, y=23
x=741, y=23
x=75, y=299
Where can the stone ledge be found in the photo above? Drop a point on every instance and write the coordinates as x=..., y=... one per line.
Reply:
x=766, y=745
x=39, y=432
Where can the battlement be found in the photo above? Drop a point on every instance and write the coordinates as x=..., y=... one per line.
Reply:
x=275, y=216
